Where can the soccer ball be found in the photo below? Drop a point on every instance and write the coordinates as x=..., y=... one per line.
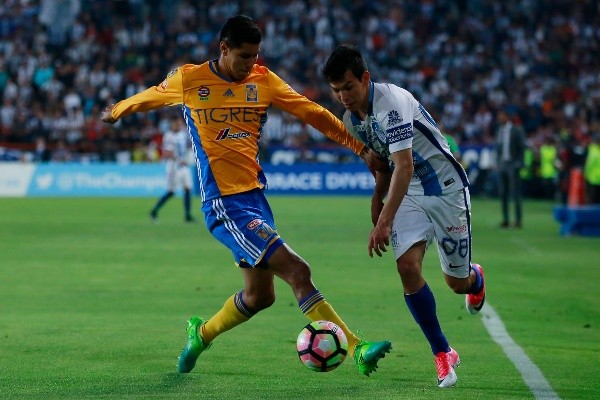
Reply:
x=322, y=346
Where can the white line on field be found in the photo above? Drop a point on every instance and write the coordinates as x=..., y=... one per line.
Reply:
x=531, y=374
x=523, y=244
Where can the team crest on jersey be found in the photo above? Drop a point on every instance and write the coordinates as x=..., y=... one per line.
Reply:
x=163, y=85
x=394, y=118
x=203, y=93
x=251, y=92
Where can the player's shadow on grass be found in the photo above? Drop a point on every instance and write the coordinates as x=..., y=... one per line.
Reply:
x=173, y=380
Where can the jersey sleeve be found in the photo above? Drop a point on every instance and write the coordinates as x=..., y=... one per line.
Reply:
x=287, y=99
x=168, y=93
x=395, y=113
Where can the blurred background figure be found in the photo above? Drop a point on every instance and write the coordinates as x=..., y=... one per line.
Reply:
x=62, y=61
x=510, y=147
x=175, y=150
x=591, y=170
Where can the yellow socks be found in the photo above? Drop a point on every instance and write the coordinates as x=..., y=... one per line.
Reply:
x=322, y=310
x=233, y=313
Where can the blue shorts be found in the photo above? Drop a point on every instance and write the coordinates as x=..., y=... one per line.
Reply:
x=244, y=223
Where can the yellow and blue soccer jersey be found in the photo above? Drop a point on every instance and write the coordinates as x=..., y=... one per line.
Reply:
x=225, y=120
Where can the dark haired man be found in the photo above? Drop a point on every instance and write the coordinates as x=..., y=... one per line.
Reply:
x=224, y=103
x=427, y=195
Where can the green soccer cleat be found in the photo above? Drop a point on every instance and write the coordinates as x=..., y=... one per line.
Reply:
x=193, y=348
x=366, y=355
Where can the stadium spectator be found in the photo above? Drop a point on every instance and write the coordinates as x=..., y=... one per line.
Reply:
x=224, y=120
x=459, y=58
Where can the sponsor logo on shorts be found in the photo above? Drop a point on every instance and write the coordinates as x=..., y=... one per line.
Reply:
x=254, y=223
x=456, y=229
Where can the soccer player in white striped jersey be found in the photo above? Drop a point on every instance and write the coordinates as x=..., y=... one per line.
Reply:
x=175, y=145
x=426, y=195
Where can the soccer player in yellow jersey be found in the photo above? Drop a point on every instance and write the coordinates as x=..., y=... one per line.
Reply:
x=224, y=104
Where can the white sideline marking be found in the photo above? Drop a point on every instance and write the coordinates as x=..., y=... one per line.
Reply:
x=523, y=244
x=531, y=374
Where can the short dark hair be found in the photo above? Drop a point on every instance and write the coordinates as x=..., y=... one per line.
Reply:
x=344, y=58
x=240, y=29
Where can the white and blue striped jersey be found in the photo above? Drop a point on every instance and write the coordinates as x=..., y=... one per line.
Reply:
x=178, y=143
x=396, y=121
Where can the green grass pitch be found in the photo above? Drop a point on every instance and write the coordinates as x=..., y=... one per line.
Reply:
x=94, y=301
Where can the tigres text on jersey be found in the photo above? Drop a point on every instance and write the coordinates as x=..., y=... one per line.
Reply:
x=225, y=118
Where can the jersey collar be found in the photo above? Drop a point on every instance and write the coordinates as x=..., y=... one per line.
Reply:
x=356, y=120
x=213, y=68
x=371, y=95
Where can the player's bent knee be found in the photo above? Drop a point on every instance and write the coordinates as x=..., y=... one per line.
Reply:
x=458, y=285
x=260, y=301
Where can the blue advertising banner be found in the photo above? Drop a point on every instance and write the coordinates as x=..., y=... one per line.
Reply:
x=97, y=180
x=320, y=178
x=149, y=180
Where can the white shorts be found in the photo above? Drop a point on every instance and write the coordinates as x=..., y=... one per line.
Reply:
x=446, y=218
x=178, y=176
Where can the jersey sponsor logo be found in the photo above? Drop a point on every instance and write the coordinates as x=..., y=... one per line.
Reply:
x=203, y=93
x=226, y=134
x=229, y=93
x=399, y=133
x=394, y=117
x=225, y=115
x=251, y=92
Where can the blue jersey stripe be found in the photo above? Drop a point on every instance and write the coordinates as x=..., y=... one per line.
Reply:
x=426, y=174
x=468, y=214
x=427, y=116
x=429, y=135
x=208, y=184
x=262, y=178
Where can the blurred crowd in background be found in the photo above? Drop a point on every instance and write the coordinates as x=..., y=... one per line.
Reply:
x=63, y=61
